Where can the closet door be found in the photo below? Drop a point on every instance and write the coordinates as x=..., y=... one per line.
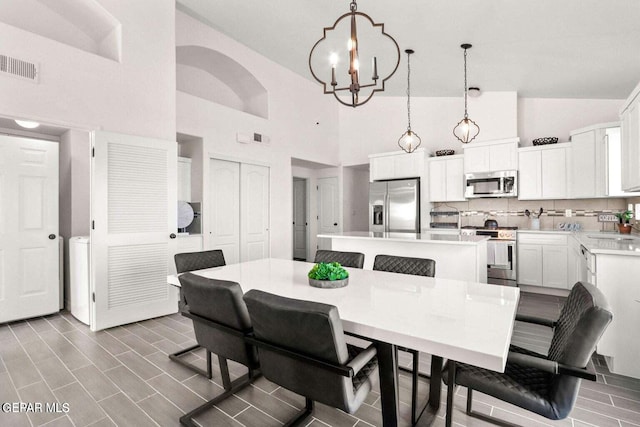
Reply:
x=133, y=208
x=254, y=212
x=29, y=249
x=224, y=205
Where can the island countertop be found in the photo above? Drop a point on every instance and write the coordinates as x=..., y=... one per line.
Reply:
x=457, y=257
x=426, y=237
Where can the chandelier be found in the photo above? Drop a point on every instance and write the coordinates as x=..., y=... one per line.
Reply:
x=327, y=59
x=466, y=129
x=409, y=140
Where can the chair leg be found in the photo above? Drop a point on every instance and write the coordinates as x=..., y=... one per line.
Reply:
x=176, y=358
x=224, y=373
x=302, y=416
x=234, y=387
x=483, y=417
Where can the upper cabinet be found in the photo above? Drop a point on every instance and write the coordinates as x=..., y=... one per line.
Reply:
x=630, y=123
x=396, y=165
x=588, y=171
x=543, y=172
x=491, y=156
x=446, y=183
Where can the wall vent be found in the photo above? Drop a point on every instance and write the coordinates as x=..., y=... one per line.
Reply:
x=18, y=68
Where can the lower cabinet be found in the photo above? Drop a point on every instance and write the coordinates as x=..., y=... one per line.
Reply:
x=543, y=260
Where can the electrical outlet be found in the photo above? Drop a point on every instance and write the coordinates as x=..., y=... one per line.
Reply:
x=567, y=213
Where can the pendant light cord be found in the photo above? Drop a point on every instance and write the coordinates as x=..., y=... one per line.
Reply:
x=408, y=91
x=465, y=84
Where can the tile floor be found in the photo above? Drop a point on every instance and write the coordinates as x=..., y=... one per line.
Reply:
x=122, y=376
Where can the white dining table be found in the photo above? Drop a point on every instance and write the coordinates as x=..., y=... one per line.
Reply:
x=457, y=320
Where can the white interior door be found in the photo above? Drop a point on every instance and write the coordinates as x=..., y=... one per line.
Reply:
x=254, y=212
x=224, y=205
x=29, y=249
x=133, y=208
x=299, y=218
x=328, y=205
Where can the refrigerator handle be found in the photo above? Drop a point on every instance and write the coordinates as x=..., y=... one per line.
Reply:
x=385, y=215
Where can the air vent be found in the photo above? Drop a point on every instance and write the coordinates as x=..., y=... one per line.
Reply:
x=18, y=68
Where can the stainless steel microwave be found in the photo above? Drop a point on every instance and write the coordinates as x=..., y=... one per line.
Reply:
x=491, y=184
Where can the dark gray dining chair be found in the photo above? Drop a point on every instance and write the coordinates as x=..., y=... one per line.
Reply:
x=301, y=345
x=191, y=261
x=545, y=384
x=221, y=324
x=417, y=267
x=346, y=259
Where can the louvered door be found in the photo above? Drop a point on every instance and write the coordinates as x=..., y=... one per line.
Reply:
x=133, y=236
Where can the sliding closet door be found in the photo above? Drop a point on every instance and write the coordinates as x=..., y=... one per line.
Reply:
x=133, y=237
x=29, y=248
x=254, y=212
x=224, y=205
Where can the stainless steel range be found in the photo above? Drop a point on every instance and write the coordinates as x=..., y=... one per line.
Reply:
x=501, y=253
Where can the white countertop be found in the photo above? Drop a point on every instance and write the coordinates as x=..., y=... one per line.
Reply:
x=427, y=237
x=611, y=243
x=460, y=320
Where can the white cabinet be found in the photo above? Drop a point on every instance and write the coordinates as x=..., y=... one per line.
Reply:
x=543, y=260
x=395, y=165
x=491, y=156
x=543, y=172
x=446, y=178
x=630, y=123
x=184, y=179
x=588, y=172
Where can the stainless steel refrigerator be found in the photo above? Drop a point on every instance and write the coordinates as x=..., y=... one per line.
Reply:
x=394, y=206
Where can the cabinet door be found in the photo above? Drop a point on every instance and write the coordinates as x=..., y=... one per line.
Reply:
x=631, y=148
x=554, y=267
x=455, y=180
x=582, y=181
x=529, y=179
x=503, y=157
x=381, y=168
x=438, y=180
x=554, y=173
x=408, y=165
x=530, y=264
x=476, y=159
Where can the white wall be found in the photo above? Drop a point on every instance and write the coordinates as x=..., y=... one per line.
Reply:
x=78, y=89
x=376, y=126
x=302, y=123
x=356, y=199
x=542, y=117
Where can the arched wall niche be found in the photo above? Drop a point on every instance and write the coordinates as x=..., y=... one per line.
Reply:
x=211, y=75
x=85, y=24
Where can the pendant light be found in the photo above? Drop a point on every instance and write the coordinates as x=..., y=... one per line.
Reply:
x=409, y=140
x=466, y=129
x=356, y=87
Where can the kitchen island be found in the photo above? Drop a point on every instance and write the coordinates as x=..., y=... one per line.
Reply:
x=457, y=257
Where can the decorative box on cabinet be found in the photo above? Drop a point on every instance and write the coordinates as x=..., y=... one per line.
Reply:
x=543, y=172
x=396, y=165
x=491, y=156
x=542, y=260
x=446, y=178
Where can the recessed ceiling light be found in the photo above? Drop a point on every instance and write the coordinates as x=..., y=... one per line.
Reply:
x=27, y=124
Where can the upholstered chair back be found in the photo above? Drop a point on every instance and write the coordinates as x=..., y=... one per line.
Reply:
x=346, y=259
x=405, y=265
x=191, y=261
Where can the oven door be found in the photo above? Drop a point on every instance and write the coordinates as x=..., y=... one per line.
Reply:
x=501, y=260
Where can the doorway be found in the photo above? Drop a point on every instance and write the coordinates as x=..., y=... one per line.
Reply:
x=300, y=219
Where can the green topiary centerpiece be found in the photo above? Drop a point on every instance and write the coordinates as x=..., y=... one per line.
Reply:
x=328, y=275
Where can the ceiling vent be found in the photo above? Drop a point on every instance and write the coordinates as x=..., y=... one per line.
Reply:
x=18, y=68
x=247, y=138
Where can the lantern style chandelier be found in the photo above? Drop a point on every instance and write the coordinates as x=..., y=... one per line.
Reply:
x=466, y=129
x=325, y=60
x=409, y=140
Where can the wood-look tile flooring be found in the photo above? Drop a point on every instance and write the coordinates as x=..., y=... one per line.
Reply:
x=122, y=376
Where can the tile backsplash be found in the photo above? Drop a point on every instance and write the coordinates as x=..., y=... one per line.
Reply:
x=510, y=212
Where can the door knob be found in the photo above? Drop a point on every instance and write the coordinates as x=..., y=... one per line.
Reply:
x=52, y=236
x=335, y=223
x=172, y=236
